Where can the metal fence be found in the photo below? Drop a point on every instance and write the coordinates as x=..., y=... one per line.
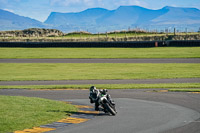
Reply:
x=126, y=44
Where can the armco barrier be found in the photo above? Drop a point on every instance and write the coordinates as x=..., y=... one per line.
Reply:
x=186, y=43
x=128, y=44
x=77, y=44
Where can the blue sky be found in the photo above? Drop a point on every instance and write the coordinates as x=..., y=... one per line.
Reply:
x=40, y=9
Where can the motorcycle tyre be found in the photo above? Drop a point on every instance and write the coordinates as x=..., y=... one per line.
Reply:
x=111, y=110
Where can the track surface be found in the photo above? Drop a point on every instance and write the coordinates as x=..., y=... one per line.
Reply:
x=128, y=81
x=186, y=100
x=135, y=116
x=177, y=60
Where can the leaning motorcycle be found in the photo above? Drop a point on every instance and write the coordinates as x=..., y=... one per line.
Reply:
x=107, y=105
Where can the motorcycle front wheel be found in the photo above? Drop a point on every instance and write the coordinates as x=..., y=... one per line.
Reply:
x=109, y=109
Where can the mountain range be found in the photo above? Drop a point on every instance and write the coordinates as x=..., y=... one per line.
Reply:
x=11, y=21
x=102, y=20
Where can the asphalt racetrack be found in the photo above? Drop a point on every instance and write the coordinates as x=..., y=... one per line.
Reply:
x=125, y=81
x=135, y=116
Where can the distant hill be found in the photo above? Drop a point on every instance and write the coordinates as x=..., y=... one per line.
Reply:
x=178, y=15
x=129, y=15
x=102, y=20
x=124, y=15
x=137, y=15
x=87, y=17
x=99, y=19
x=11, y=21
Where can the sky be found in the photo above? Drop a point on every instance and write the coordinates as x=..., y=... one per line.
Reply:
x=41, y=9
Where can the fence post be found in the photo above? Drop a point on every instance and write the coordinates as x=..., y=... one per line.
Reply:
x=156, y=44
x=167, y=31
x=186, y=31
x=174, y=31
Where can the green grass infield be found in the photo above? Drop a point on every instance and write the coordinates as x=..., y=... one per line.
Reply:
x=18, y=113
x=76, y=71
x=164, y=52
x=107, y=86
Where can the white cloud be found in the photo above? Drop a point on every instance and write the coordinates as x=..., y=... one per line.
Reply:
x=64, y=2
x=89, y=3
x=113, y=4
x=137, y=2
x=71, y=2
x=54, y=2
x=97, y=3
x=79, y=4
x=130, y=2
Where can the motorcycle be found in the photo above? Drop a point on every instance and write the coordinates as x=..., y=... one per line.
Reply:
x=107, y=105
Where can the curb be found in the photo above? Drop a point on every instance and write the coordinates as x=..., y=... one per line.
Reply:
x=85, y=113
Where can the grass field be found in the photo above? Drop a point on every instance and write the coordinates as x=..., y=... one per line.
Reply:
x=107, y=86
x=18, y=113
x=76, y=71
x=164, y=52
x=117, y=35
x=123, y=34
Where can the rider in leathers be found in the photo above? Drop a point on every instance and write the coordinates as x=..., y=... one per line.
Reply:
x=94, y=95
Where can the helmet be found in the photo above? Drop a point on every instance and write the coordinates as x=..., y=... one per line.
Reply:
x=104, y=91
x=92, y=88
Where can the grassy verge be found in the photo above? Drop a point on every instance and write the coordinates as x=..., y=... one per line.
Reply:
x=107, y=86
x=18, y=113
x=116, y=35
x=165, y=52
x=120, y=34
x=76, y=71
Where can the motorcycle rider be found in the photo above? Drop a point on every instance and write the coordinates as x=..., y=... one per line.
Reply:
x=94, y=96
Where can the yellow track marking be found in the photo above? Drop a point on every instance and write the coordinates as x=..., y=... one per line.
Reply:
x=83, y=106
x=163, y=91
x=89, y=112
x=36, y=130
x=66, y=120
x=157, y=91
x=194, y=92
x=73, y=120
